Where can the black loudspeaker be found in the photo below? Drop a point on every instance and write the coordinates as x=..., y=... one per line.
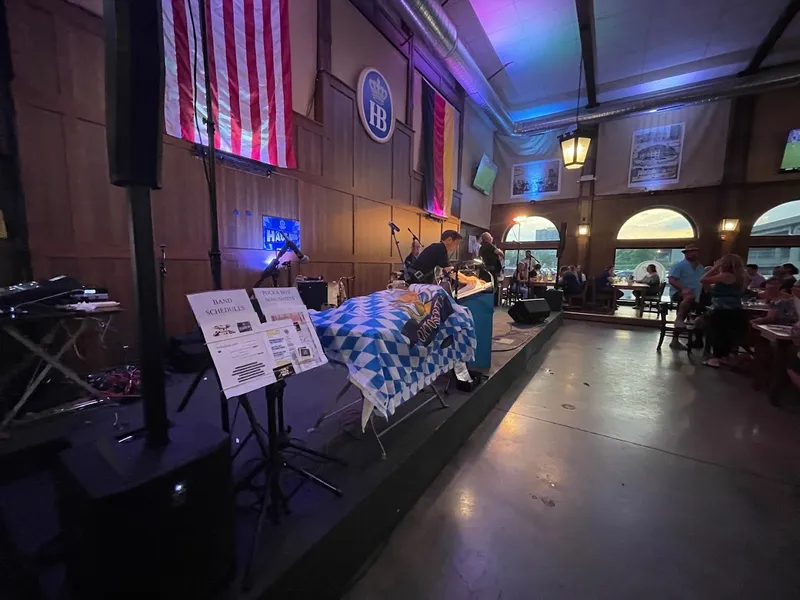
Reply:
x=530, y=311
x=313, y=293
x=148, y=523
x=134, y=91
x=555, y=299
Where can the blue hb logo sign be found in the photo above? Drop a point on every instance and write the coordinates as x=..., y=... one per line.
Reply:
x=375, y=105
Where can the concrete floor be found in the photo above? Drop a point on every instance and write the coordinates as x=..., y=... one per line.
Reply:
x=658, y=479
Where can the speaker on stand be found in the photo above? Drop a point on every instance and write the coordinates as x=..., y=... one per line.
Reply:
x=150, y=513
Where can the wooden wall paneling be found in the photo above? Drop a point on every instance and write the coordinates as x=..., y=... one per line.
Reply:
x=326, y=222
x=340, y=122
x=455, y=209
x=308, y=144
x=43, y=170
x=81, y=71
x=184, y=277
x=181, y=213
x=100, y=213
x=373, y=165
x=253, y=197
x=372, y=234
x=401, y=167
x=430, y=231
x=416, y=190
x=371, y=277
x=405, y=220
x=32, y=35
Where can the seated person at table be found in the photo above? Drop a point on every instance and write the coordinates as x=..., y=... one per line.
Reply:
x=789, y=279
x=781, y=306
x=535, y=272
x=684, y=280
x=435, y=255
x=603, y=284
x=727, y=323
x=519, y=280
x=756, y=279
x=569, y=282
x=652, y=280
x=580, y=274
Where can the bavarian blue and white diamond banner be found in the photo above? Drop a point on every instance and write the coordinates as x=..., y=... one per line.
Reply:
x=395, y=342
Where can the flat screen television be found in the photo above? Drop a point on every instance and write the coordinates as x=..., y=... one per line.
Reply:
x=484, y=177
x=791, y=153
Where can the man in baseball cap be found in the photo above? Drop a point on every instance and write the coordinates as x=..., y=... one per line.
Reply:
x=684, y=281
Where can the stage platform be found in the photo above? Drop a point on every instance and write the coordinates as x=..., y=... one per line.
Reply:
x=318, y=549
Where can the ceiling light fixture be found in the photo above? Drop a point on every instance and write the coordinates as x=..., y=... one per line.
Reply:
x=575, y=144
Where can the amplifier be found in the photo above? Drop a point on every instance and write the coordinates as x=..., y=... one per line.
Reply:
x=148, y=523
x=313, y=293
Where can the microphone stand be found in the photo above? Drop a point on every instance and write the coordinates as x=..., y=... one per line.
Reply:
x=399, y=253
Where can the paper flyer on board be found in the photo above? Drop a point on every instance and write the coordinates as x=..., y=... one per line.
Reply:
x=232, y=330
x=285, y=304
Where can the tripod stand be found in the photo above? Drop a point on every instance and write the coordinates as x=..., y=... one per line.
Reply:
x=272, y=462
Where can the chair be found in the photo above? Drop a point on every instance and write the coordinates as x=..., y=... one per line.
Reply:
x=509, y=296
x=664, y=309
x=602, y=299
x=577, y=300
x=651, y=304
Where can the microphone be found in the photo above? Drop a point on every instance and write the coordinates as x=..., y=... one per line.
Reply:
x=394, y=227
x=293, y=247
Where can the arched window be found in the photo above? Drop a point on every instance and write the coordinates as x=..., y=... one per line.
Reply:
x=657, y=224
x=784, y=219
x=534, y=236
x=773, y=239
x=654, y=236
x=533, y=229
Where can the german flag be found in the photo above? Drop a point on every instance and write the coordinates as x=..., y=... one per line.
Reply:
x=438, y=119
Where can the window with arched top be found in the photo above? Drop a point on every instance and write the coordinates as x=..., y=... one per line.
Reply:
x=638, y=244
x=784, y=219
x=657, y=224
x=773, y=239
x=532, y=240
x=533, y=229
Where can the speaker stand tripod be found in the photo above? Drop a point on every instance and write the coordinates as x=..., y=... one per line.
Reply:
x=272, y=462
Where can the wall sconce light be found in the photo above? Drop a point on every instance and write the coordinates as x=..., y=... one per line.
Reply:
x=583, y=230
x=729, y=225
x=520, y=219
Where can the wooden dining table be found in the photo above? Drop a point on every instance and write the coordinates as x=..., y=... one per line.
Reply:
x=538, y=283
x=781, y=342
x=639, y=287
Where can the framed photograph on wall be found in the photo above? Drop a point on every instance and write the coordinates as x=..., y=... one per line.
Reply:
x=656, y=154
x=531, y=180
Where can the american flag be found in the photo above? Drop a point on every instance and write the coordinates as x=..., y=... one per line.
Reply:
x=251, y=80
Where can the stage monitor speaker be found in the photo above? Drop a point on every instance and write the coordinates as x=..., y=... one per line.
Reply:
x=143, y=522
x=530, y=312
x=134, y=91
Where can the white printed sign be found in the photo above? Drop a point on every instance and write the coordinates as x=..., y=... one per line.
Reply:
x=284, y=304
x=235, y=341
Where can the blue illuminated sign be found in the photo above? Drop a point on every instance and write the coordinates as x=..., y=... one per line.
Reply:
x=375, y=105
x=274, y=226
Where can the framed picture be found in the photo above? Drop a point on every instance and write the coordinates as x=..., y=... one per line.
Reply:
x=531, y=180
x=656, y=155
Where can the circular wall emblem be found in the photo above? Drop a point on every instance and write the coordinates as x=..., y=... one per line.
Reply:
x=375, y=105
